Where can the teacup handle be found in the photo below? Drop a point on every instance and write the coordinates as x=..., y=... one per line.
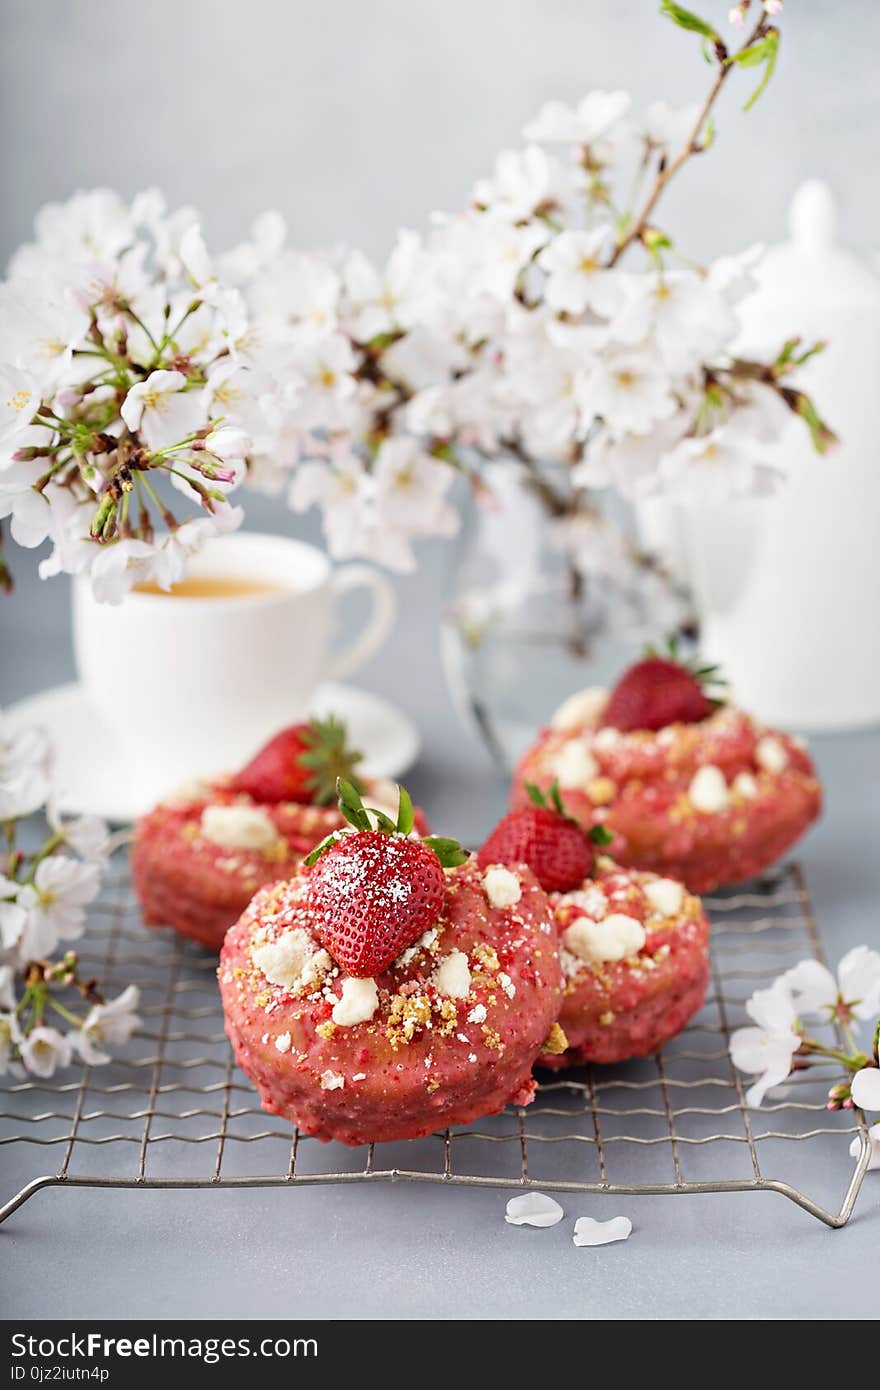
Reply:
x=379, y=623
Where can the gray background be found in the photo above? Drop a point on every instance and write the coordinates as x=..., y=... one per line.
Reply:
x=352, y=119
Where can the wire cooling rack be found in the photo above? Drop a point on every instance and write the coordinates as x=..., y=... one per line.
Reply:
x=174, y=1112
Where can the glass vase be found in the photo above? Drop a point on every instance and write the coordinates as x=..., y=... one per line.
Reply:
x=547, y=597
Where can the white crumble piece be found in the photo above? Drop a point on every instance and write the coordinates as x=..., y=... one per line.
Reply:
x=607, y=739
x=665, y=895
x=463, y=1038
x=589, y=1231
x=477, y=1014
x=192, y=790
x=506, y=984
x=745, y=785
x=332, y=1081
x=472, y=1057
x=424, y=943
x=359, y=1076
x=615, y=938
x=501, y=886
x=360, y=1000
x=533, y=1209
x=282, y=1042
x=708, y=790
x=238, y=827
x=574, y=765
x=592, y=900
x=293, y=961
x=452, y=978
x=770, y=755
x=581, y=709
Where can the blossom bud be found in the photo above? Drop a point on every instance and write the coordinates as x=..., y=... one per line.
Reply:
x=29, y=454
x=105, y=515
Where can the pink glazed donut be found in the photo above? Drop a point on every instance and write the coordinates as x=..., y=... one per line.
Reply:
x=447, y=1034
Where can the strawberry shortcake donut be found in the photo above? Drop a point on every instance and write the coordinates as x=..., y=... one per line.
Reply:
x=635, y=954
x=199, y=857
x=378, y=995
x=692, y=789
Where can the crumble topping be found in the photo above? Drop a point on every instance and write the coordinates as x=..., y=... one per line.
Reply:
x=360, y=1000
x=770, y=755
x=665, y=895
x=238, y=827
x=293, y=961
x=745, y=785
x=452, y=977
x=556, y=1042
x=580, y=709
x=332, y=1081
x=282, y=1042
x=615, y=938
x=708, y=789
x=502, y=887
x=574, y=764
x=477, y=1014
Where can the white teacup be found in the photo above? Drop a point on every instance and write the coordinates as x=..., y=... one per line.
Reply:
x=189, y=686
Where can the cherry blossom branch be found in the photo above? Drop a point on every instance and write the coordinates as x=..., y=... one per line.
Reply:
x=692, y=145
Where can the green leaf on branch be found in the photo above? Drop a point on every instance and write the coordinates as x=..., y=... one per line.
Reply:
x=764, y=52
x=823, y=438
x=686, y=19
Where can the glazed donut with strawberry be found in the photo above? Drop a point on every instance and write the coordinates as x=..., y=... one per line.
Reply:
x=691, y=787
x=199, y=857
x=393, y=987
x=635, y=947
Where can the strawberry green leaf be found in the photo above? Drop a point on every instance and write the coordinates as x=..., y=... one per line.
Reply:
x=383, y=822
x=351, y=806
x=535, y=795
x=327, y=843
x=449, y=852
x=600, y=835
x=556, y=798
x=328, y=757
x=406, y=816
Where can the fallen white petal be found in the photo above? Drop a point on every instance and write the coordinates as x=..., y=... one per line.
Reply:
x=588, y=1231
x=533, y=1209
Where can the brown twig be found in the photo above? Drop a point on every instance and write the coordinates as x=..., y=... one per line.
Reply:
x=691, y=145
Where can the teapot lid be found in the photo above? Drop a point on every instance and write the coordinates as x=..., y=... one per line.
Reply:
x=810, y=261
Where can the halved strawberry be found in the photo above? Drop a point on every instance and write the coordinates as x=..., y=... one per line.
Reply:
x=661, y=690
x=303, y=763
x=556, y=848
x=374, y=891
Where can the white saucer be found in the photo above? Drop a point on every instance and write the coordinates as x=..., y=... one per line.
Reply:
x=90, y=772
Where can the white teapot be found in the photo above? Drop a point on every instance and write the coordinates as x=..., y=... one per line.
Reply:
x=788, y=588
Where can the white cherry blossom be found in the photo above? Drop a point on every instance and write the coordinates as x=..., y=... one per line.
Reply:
x=630, y=392
x=855, y=993
x=595, y=117
x=10, y=1038
x=19, y=399
x=55, y=903
x=44, y=1049
x=578, y=279
x=25, y=770
x=163, y=410
x=714, y=467
x=12, y=920
x=865, y=1088
x=112, y=1023
x=526, y=183
x=767, y=1049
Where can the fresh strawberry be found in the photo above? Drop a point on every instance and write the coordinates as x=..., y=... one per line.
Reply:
x=302, y=763
x=661, y=690
x=374, y=891
x=556, y=848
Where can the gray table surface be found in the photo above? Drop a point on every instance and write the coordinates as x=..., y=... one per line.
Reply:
x=397, y=1251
